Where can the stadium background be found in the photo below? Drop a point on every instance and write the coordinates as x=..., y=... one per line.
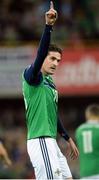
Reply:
x=77, y=78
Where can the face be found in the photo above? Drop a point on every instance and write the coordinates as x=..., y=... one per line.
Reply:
x=51, y=62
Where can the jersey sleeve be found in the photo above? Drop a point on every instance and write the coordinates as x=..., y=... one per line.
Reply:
x=32, y=74
x=61, y=130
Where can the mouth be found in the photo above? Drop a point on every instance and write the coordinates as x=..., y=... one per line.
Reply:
x=53, y=68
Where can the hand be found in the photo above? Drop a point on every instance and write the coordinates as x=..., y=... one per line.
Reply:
x=72, y=150
x=51, y=15
x=4, y=155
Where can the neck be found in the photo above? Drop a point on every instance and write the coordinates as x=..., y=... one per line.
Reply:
x=44, y=72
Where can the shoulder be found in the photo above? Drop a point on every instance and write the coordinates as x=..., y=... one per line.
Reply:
x=81, y=127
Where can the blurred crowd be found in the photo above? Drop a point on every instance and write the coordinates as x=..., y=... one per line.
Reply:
x=13, y=137
x=14, y=141
x=23, y=21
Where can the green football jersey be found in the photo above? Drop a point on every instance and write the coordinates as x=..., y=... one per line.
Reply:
x=41, y=108
x=87, y=136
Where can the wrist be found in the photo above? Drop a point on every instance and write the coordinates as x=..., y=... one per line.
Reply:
x=49, y=24
x=69, y=139
x=66, y=137
x=49, y=27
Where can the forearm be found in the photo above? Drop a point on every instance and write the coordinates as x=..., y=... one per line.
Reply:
x=33, y=71
x=61, y=130
x=43, y=49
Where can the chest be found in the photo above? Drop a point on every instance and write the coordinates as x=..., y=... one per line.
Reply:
x=51, y=92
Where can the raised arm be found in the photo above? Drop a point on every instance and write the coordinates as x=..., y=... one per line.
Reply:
x=32, y=74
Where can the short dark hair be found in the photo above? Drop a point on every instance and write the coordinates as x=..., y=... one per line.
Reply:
x=93, y=109
x=55, y=48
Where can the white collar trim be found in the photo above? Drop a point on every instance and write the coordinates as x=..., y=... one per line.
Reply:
x=93, y=121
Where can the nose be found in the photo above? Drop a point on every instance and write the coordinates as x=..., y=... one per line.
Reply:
x=56, y=62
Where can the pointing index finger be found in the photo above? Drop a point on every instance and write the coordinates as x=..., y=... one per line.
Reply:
x=51, y=5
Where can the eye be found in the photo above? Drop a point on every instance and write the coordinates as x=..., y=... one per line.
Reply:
x=53, y=58
x=58, y=60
